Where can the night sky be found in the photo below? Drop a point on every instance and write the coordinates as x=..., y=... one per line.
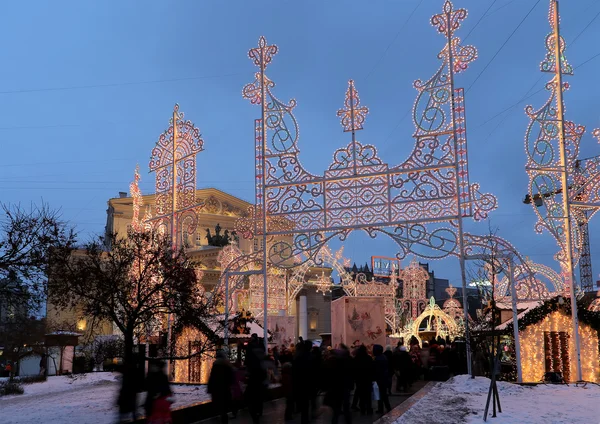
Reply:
x=86, y=88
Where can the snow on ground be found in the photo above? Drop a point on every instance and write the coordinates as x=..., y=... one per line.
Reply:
x=462, y=400
x=87, y=399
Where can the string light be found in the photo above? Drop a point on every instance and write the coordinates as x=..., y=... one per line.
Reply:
x=414, y=293
x=452, y=306
x=436, y=319
x=359, y=189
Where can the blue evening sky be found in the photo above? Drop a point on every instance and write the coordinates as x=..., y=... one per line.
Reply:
x=86, y=87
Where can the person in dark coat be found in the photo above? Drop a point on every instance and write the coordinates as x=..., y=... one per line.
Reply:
x=316, y=379
x=219, y=384
x=287, y=385
x=257, y=378
x=389, y=355
x=364, y=374
x=158, y=401
x=127, y=400
x=382, y=376
x=403, y=367
x=301, y=376
x=338, y=384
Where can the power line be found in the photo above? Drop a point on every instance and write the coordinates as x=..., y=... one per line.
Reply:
x=118, y=84
x=393, y=41
x=503, y=45
x=525, y=97
x=586, y=27
x=480, y=19
x=587, y=61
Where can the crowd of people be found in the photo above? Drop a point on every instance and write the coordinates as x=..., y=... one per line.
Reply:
x=349, y=378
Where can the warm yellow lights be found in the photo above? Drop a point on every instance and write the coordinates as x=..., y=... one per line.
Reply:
x=81, y=324
x=532, y=348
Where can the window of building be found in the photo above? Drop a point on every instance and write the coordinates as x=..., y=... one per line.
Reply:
x=313, y=319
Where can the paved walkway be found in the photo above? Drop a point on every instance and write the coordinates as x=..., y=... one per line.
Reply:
x=273, y=411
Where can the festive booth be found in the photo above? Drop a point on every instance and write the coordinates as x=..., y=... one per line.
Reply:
x=546, y=334
x=358, y=320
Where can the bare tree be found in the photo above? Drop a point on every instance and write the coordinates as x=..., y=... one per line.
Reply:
x=134, y=285
x=28, y=238
x=21, y=336
x=490, y=263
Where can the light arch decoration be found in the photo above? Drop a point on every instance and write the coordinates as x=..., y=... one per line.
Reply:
x=435, y=320
x=414, y=288
x=419, y=203
x=547, y=282
x=325, y=256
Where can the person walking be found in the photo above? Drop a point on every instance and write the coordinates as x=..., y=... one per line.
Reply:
x=237, y=388
x=364, y=375
x=301, y=376
x=403, y=367
x=127, y=399
x=338, y=383
x=287, y=385
x=382, y=377
x=257, y=378
x=390, y=357
x=219, y=385
x=158, y=399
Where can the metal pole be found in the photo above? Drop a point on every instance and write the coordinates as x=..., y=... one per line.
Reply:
x=352, y=123
x=513, y=295
x=458, y=201
x=173, y=227
x=264, y=193
x=226, y=330
x=565, y=188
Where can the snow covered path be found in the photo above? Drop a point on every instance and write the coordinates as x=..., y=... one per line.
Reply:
x=462, y=400
x=86, y=400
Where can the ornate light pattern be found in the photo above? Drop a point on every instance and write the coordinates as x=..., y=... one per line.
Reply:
x=276, y=294
x=138, y=201
x=565, y=195
x=412, y=202
x=353, y=115
x=435, y=320
x=451, y=305
x=546, y=166
x=362, y=287
x=324, y=257
x=595, y=305
x=414, y=288
x=533, y=282
x=174, y=162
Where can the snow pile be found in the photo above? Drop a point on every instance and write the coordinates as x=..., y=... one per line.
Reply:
x=86, y=399
x=59, y=384
x=462, y=400
x=465, y=384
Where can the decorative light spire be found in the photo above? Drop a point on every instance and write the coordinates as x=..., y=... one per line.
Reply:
x=549, y=62
x=353, y=115
x=449, y=20
x=138, y=201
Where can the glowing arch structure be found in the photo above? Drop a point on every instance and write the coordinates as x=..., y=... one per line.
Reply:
x=435, y=320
